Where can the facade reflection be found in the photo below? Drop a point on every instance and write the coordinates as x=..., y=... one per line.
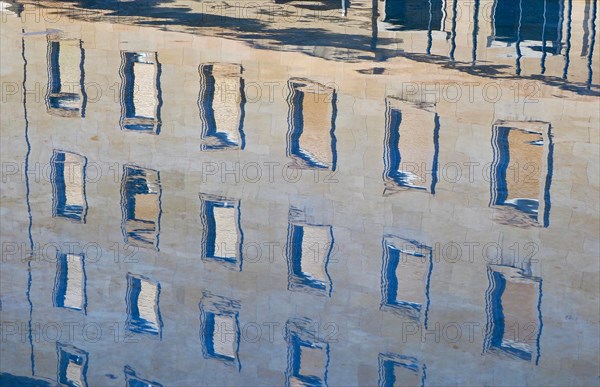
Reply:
x=521, y=172
x=311, y=141
x=400, y=370
x=405, y=278
x=141, y=205
x=66, y=95
x=222, y=236
x=308, y=250
x=143, y=312
x=221, y=103
x=68, y=185
x=308, y=355
x=141, y=95
x=411, y=147
x=219, y=329
x=72, y=366
x=70, y=282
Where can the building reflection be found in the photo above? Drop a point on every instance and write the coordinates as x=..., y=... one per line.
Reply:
x=308, y=250
x=222, y=236
x=70, y=282
x=141, y=205
x=141, y=96
x=132, y=380
x=68, y=185
x=221, y=103
x=405, y=278
x=219, y=329
x=66, y=95
x=143, y=312
x=311, y=141
x=72, y=365
x=413, y=15
x=411, y=147
x=308, y=355
x=521, y=172
x=514, y=317
x=400, y=370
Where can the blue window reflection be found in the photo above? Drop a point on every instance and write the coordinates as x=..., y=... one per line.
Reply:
x=68, y=185
x=143, y=312
x=222, y=236
x=133, y=380
x=66, y=95
x=311, y=141
x=70, y=282
x=221, y=103
x=72, y=366
x=405, y=277
x=308, y=355
x=141, y=95
x=521, y=173
x=219, y=329
x=400, y=370
x=411, y=147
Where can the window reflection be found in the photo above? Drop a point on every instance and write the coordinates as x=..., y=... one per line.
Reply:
x=68, y=185
x=311, y=141
x=143, y=313
x=521, y=172
x=70, y=282
x=219, y=329
x=308, y=251
x=400, y=370
x=411, y=147
x=405, y=277
x=72, y=366
x=141, y=205
x=413, y=15
x=221, y=102
x=66, y=96
x=132, y=380
x=308, y=355
x=514, y=317
x=222, y=236
x=141, y=96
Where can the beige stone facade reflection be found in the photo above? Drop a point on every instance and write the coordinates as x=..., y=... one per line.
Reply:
x=350, y=200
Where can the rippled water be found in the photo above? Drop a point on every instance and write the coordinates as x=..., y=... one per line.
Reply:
x=300, y=193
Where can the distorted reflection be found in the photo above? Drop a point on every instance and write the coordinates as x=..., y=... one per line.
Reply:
x=514, y=317
x=66, y=95
x=222, y=236
x=141, y=95
x=221, y=102
x=143, y=313
x=521, y=172
x=411, y=147
x=308, y=355
x=132, y=380
x=311, y=141
x=68, y=185
x=141, y=205
x=413, y=15
x=72, y=365
x=400, y=370
x=308, y=251
x=405, y=277
x=219, y=329
x=70, y=282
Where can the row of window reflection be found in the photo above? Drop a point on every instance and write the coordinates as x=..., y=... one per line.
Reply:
x=523, y=148
x=513, y=298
